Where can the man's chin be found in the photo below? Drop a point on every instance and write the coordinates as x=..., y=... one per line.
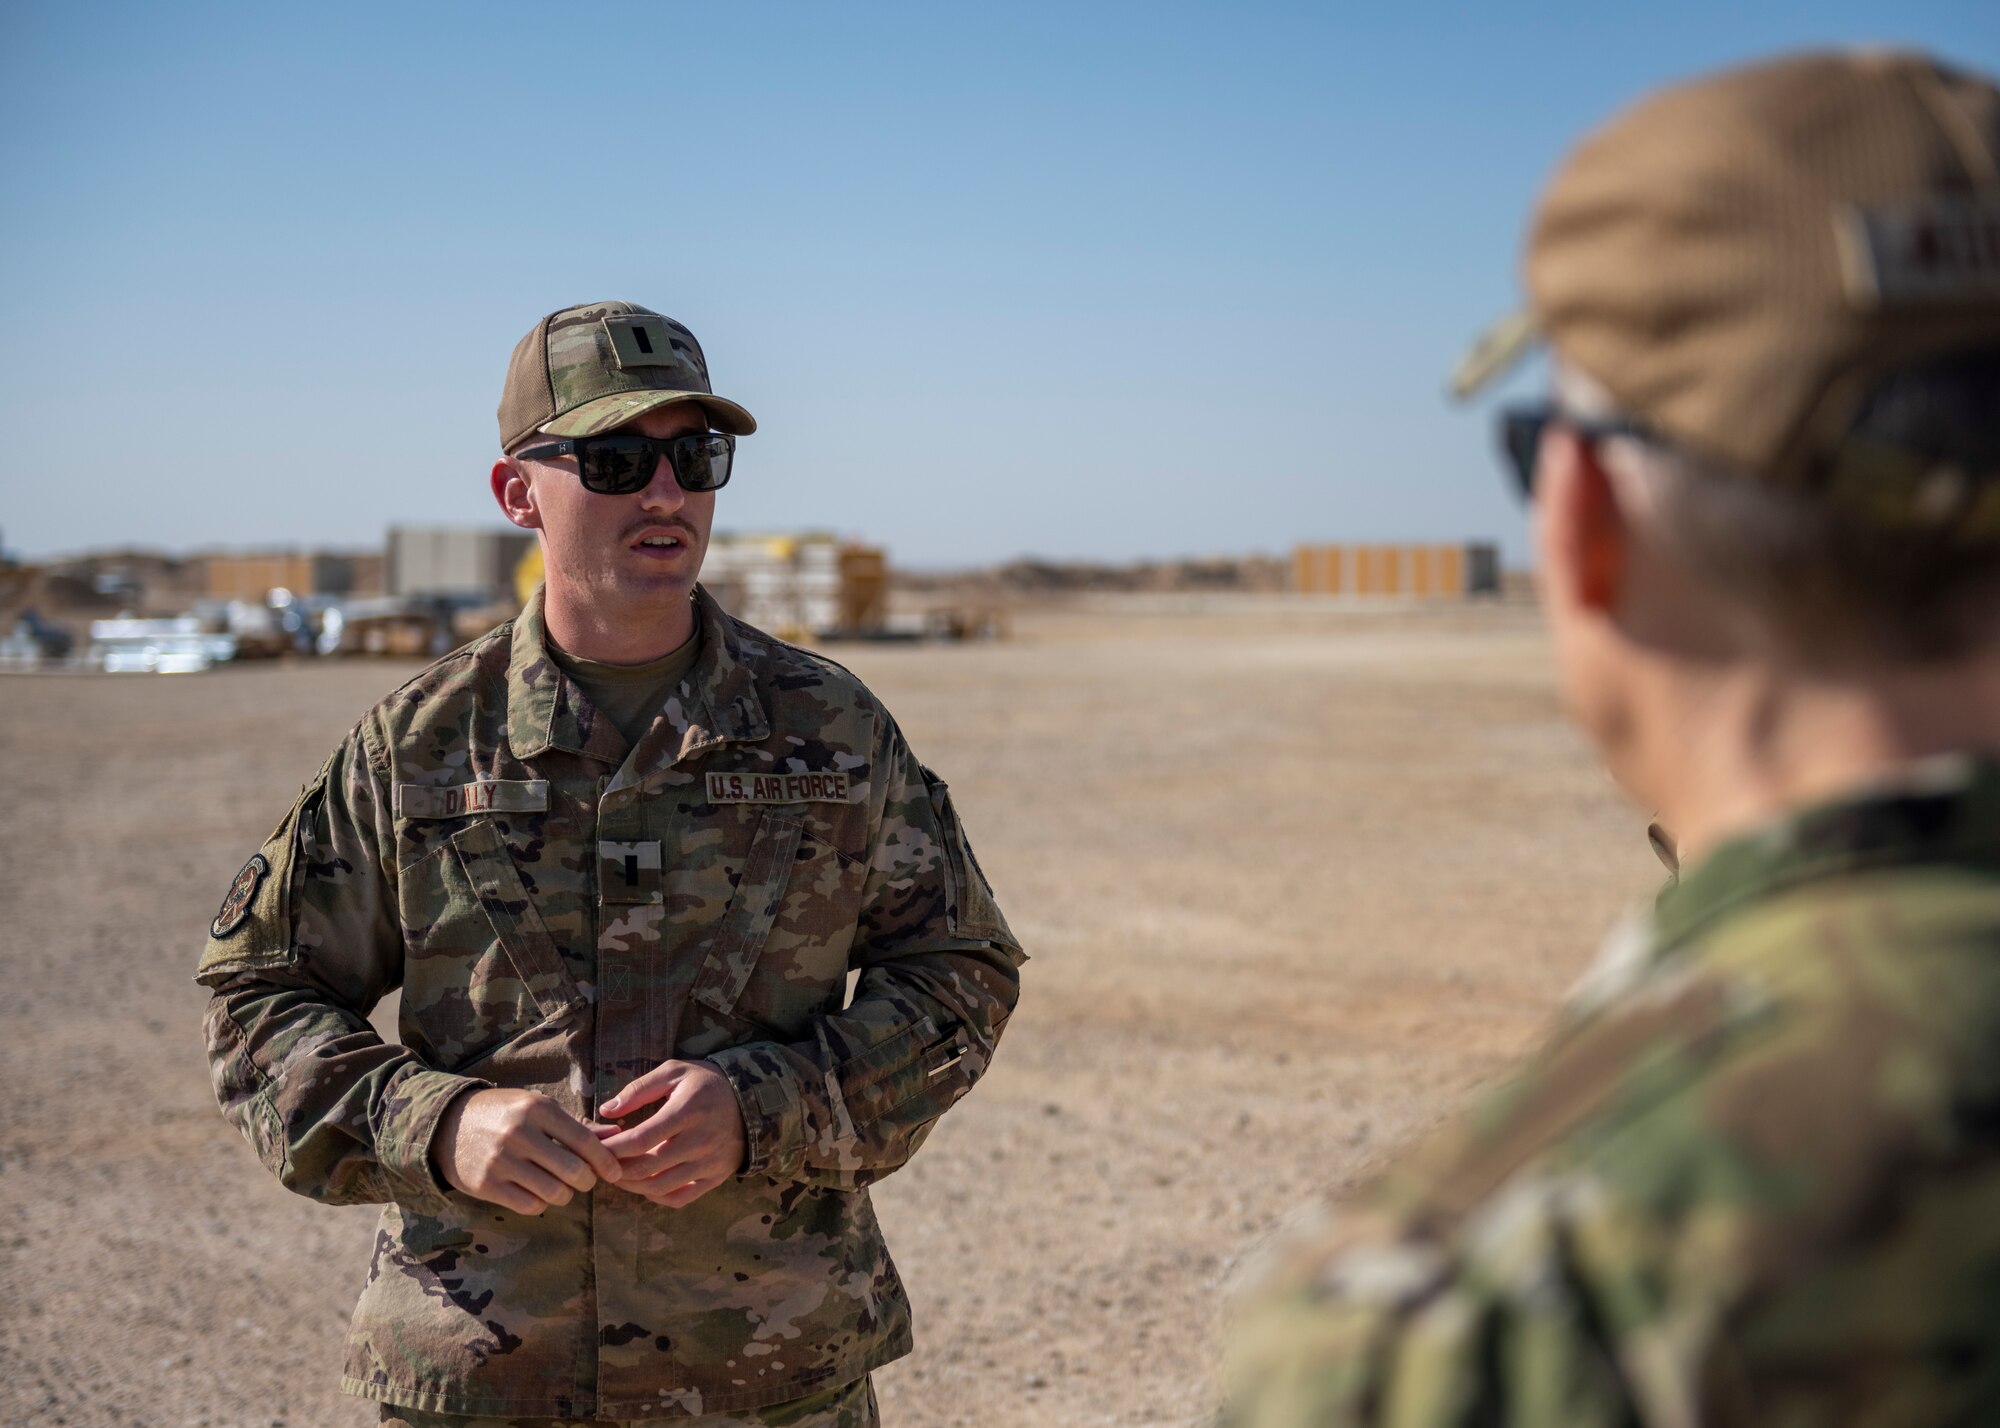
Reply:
x=677, y=565
x=664, y=588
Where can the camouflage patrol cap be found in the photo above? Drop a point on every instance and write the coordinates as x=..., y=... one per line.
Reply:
x=587, y=369
x=1740, y=260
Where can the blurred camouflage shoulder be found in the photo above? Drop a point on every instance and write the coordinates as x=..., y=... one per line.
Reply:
x=1759, y=1160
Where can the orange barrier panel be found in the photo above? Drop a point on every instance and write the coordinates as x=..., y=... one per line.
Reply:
x=1318, y=569
x=1452, y=581
x=1381, y=567
x=1425, y=572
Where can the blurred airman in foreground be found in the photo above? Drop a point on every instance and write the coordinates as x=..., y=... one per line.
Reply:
x=1754, y=1177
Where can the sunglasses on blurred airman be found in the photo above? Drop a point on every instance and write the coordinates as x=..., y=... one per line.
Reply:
x=1521, y=431
x=621, y=465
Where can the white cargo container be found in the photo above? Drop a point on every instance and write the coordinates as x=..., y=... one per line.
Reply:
x=786, y=584
x=175, y=646
x=458, y=561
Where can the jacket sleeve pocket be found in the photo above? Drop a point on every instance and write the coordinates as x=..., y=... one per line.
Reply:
x=973, y=912
x=253, y=928
x=888, y=1078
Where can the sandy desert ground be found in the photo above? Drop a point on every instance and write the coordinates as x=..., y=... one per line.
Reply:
x=1295, y=881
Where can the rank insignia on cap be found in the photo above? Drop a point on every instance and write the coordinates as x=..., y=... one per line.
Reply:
x=642, y=342
x=236, y=905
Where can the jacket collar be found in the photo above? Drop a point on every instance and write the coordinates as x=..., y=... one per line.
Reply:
x=716, y=704
x=1942, y=810
x=545, y=709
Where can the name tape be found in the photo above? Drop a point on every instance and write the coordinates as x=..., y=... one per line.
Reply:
x=778, y=788
x=489, y=795
x=1923, y=254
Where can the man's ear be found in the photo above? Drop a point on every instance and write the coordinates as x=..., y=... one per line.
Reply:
x=516, y=497
x=1586, y=542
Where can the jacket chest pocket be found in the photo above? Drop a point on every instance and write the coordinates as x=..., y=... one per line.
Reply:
x=778, y=953
x=480, y=966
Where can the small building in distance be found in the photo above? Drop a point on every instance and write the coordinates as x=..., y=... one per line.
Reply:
x=252, y=577
x=456, y=561
x=1418, y=572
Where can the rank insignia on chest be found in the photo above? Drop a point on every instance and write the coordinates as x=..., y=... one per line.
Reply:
x=778, y=788
x=628, y=872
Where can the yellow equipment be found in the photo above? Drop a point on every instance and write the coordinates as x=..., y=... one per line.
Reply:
x=528, y=573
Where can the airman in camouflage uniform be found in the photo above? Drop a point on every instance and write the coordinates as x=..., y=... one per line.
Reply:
x=568, y=915
x=1754, y=1176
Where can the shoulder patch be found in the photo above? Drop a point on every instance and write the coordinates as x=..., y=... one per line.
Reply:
x=236, y=903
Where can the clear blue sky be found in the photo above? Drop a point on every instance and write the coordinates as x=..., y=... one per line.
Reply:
x=1066, y=279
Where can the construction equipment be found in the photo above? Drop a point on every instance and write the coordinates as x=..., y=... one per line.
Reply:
x=33, y=642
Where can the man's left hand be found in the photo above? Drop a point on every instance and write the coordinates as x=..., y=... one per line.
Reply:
x=686, y=1148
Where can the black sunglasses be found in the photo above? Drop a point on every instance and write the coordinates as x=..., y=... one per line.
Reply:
x=1521, y=431
x=620, y=465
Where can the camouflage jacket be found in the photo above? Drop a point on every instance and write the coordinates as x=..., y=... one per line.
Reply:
x=1754, y=1179
x=562, y=915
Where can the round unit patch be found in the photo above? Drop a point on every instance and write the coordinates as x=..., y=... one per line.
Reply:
x=236, y=906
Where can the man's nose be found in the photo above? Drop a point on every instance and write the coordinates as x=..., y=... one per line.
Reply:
x=663, y=492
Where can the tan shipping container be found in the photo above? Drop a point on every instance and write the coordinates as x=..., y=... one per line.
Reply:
x=864, y=588
x=254, y=577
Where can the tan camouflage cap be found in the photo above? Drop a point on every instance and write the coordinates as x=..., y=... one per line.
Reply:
x=1739, y=260
x=590, y=368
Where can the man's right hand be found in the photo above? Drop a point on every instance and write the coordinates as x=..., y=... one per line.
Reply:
x=519, y=1149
